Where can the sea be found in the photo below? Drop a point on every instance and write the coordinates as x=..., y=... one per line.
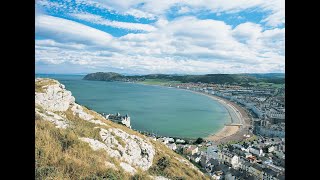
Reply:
x=161, y=110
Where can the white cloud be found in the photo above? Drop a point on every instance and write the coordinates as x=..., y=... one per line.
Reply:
x=183, y=10
x=275, y=19
x=69, y=31
x=53, y=5
x=183, y=45
x=275, y=9
x=54, y=45
x=140, y=14
x=147, y=64
x=247, y=32
x=261, y=41
x=96, y=19
x=277, y=15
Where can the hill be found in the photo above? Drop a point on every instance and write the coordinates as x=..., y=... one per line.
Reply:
x=244, y=79
x=101, y=76
x=73, y=142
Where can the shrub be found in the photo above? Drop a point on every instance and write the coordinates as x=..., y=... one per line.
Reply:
x=199, y=141
x=163, y=163
x=44, y=172
x=110, y=174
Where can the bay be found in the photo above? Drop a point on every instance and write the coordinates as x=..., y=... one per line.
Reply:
x=162, y=110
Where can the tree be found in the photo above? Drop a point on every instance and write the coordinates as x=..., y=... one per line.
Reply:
x=265, y=150
x=199, y=141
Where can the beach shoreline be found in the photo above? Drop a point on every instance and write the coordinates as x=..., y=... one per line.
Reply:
x=239, y=124
x=236, y=129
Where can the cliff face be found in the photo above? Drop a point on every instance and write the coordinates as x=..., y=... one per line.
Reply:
x=73, y=142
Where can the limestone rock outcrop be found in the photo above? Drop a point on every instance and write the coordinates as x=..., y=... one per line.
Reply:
x=55, y=97
x=133, y=151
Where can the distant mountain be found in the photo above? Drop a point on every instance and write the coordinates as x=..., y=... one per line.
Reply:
x=102, y=76
x=276, y=78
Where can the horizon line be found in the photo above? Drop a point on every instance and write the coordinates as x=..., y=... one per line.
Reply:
x=153, y=73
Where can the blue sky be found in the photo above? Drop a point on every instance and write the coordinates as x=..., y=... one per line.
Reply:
x=167, y=36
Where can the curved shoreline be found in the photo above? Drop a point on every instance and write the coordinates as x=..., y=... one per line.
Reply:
x=231, y=131
x=227, y=132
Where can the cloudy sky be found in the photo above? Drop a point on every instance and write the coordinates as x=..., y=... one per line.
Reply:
x=160, y=36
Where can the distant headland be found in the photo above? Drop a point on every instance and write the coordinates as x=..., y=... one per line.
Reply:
x=243, y=79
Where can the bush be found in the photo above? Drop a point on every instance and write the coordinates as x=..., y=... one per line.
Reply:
x=199, y=141
x=178, y=178
x=110, y=174
x=44, y=172
x=163, y=163
x=140, y=176
x=160, y=166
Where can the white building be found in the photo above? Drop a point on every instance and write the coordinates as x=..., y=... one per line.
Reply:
x=247, y=155
x=172, y=146
x=180, y=141
x=212, y=152
x=197, y=159
x=255, y=151
x=125, y=120
x=216, y=177
x=271, y=149
x=190, y=150
x=170, y=140
x=235, y=162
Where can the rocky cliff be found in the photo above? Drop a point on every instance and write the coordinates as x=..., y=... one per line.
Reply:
x=73, y=142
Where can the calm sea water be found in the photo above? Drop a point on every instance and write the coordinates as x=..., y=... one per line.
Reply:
x=162, y=110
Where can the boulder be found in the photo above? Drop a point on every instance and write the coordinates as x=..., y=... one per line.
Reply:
x=136, y=151
x=54, y=98
x=127, y=168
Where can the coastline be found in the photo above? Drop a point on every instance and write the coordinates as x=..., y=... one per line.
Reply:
x=232, y=131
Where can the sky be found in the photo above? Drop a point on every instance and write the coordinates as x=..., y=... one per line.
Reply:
x=159, y=36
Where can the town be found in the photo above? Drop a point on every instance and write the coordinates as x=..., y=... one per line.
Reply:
x=261, y=156
x=264, y=104
x=254, y=158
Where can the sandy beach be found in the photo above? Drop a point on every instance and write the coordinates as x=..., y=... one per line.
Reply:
x=236, y=128
x=226, y=131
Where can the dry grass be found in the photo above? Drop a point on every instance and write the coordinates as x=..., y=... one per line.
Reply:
x=83, y=128
x=121, y=142
x=174, y=169
x=141, y=175
x=61, y=155
x=39, y=85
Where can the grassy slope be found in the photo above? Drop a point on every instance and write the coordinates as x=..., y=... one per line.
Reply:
x=40, y=85
x=61, y=155
x=267, y=85
x=161, y=82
